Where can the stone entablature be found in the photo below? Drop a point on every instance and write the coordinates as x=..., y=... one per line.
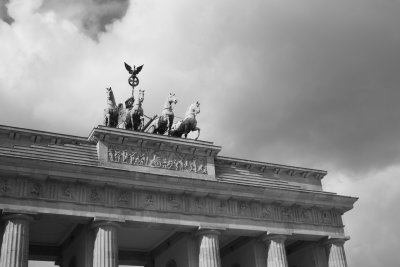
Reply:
x=119, y=176
x=170, y=202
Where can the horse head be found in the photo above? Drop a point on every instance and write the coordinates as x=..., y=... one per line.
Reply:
x=193, y=109
x=141, y=96
x=110, y=97
x=172, y=99
x=109, y=93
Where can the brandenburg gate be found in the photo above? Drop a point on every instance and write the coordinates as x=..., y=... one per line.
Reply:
x=125, y=197
x=138, y=194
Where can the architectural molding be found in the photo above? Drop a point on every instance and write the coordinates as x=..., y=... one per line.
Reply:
x=180, y=203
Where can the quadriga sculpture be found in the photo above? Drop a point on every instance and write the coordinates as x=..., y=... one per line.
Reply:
x=134, y=118
x=164, y=122
x=188, y=124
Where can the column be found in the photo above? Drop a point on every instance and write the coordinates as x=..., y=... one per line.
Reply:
x=105, y=249
x=276, y=253
x=335, y=252
x=15, y=244
x=209, y=248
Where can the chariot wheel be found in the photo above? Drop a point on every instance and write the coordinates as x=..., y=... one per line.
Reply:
x=133, y=81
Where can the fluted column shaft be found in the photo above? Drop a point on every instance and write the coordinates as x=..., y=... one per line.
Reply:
x=105, y=250
x=209, y=248
x=276, y=253
x=15, y=244
x=335, y=253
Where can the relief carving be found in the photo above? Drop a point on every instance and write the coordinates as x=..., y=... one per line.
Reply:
x=157, y=159
x=5, y=186
x=66, y=192
x=149, y=201
x=222, y=207
x=286, y=214
x=95, y=195
x=326, y=217
x=174, y=202
x=243, y=209
x=199, y=204
x=305, y=215
x=36, y=189
x=123, y=198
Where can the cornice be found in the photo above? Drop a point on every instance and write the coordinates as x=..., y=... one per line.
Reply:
x=276, y=168
x=35, y=136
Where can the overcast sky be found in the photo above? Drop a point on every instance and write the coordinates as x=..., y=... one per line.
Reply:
x=311, y=83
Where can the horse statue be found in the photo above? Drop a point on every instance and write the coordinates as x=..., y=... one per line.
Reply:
x=112, y=110
x=188, y=124
x=164, y=122
x=134, y=118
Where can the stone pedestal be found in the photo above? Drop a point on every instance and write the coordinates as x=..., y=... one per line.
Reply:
x=335, y=252
x=15, y=244
x=105, y=249
x=209, y=248
x=276, y=253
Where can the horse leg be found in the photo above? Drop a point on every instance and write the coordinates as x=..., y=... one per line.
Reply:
x=133, y=124
x=198, y=132
x=169, y=124
x=105, y=120
x=108, y=117
x=141, y=125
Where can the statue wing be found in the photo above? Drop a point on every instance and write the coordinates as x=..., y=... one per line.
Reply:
x=128, y=68
x=138, y=69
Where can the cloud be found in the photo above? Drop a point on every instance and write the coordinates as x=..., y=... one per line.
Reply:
x=91, y=16
x=373, y=223
x=4, y=16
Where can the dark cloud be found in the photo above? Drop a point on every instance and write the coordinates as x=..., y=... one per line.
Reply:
x=314, y=86
x=4, y=16
x=92, y=16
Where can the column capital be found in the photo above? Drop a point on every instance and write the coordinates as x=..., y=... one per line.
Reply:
x=335, y=241
x=100, y=223
x=19, y=216
x=201, y=232
x=273, y=237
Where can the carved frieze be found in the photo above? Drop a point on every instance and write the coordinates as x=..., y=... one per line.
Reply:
x=180, y=203
x=157, y=159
